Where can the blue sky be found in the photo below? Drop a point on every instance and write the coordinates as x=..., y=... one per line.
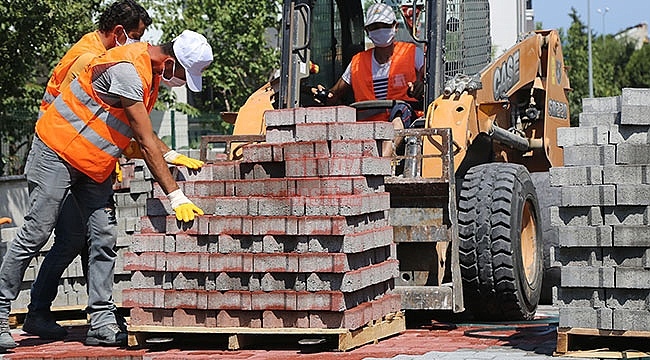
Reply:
x=621, y=14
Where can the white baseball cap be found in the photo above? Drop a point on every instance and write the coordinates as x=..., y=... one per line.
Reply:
x=193, y=53
x=380, y=13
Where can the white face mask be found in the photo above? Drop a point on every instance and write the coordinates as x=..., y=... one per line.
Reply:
x=382, y=37
x=173, y=81
x=127, y=41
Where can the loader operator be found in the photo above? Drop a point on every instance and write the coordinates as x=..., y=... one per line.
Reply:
x=390, y=71
x=78, y=141
x=123, y=22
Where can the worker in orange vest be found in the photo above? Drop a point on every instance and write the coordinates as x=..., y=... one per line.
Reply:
x=391, y=70
x=78, y=141
x=123, y=22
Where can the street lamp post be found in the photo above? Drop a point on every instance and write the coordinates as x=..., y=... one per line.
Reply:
x=591, y=71
x=603, y=12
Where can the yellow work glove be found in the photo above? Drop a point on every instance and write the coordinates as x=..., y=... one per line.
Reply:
x=182, y=206
x=118, y=172
x=174, y=158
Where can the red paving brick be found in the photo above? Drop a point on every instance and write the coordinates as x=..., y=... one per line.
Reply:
x=412, y=342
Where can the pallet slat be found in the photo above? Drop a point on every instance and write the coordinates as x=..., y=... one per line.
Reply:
x=567, y=336
x=238, y=336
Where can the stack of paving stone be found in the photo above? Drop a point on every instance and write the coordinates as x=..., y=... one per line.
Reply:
x=295, y=234
x=603, y=219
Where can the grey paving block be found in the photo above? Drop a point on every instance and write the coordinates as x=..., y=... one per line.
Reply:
x=601, y=104
x=632, y=278
x=587, y=276
x=635, y=106
x=576, y=175
x=599, y=118
x=626, y=174
x=632, y=154
x=631, y=235
x=588, y=195
x=585, y=236
x=600, y=318
x=589, y=155
x=629, y=134
x=632, y=194
x=582, y=135
x=576, y=216
x=634, y=320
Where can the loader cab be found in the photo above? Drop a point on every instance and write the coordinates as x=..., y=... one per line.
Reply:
x=319, y=39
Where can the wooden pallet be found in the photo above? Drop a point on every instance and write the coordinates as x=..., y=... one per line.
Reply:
x=71, y=315
x=598, y=343
x=239, y=337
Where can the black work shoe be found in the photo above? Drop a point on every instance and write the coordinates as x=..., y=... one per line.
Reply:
x=43, y=325
x=107, y=335
x=121, y=322
x=6, y=341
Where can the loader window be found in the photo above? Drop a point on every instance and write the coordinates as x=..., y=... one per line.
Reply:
x=336, y=35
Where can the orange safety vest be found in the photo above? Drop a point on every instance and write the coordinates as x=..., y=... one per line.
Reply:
x=85, y=131
x=89, y=43
x=402, y=71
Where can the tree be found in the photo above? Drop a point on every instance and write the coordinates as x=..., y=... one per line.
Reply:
x=238, y=31
x=34, y=34
x=637, y=70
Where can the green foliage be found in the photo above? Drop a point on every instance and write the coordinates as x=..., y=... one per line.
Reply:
x=637, y=70
x=34, y=34
x=237, y=32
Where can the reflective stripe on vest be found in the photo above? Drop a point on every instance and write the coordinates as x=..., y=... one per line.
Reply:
x=85, y=131
x=402, y=71
x=89, y=43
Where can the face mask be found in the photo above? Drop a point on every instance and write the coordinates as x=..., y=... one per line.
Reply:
x=382, y=37
x=173, y=81
x=127, y=41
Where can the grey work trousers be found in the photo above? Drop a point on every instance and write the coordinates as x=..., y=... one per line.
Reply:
x=49, y=180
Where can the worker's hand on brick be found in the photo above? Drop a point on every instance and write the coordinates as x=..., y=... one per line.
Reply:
x=119, y=175
x=174, y=158
x=183, y=207
x=415, y=90
x=321, y=94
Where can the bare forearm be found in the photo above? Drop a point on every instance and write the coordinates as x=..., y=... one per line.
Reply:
x=149, y=144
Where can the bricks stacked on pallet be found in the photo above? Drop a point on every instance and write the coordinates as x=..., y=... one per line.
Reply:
x=603, y=218
x=130, y=197
x=296, y=234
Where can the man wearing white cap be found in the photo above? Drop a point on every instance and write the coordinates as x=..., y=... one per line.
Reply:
x=389, y=71
x=78, y=141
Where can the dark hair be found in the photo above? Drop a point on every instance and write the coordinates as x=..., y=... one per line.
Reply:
x=127, y=13
x=168, y=49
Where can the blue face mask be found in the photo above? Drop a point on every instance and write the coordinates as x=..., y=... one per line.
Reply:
x=127, y=41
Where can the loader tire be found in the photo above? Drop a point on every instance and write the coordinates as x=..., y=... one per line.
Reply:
x=500, y=235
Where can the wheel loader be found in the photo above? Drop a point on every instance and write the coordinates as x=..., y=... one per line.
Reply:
x=464, y=210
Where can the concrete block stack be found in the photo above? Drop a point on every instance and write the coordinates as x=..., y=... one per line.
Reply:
x=295, y=235
x=603, y=219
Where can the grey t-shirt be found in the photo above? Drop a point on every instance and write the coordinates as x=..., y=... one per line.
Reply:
x=119, y=79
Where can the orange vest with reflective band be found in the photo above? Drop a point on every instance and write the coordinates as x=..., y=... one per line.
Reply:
x=402, y=71
x=84, y=130
x=89, y=43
